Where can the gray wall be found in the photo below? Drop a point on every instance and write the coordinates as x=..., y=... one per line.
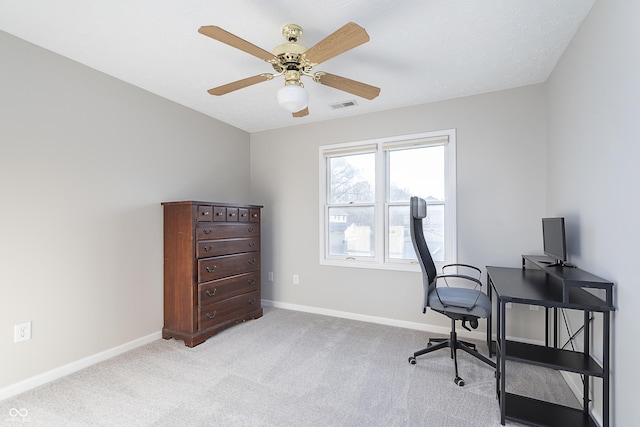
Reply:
x=593, y=173
x=501, y=152
x=85, y=161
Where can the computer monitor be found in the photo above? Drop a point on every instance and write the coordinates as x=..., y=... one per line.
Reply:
x=554, y=240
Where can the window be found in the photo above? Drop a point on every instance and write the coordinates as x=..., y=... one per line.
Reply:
x=365, y=191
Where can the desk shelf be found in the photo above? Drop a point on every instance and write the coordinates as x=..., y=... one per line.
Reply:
x=554, y=358
x=535, y=412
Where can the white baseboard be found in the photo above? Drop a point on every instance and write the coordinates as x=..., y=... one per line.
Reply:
x=72, y=367
x=481, y=336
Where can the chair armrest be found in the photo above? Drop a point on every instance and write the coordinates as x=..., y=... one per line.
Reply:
x=460, y=276
x=473, y=267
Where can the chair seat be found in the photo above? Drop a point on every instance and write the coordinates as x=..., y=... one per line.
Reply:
x=460, y=301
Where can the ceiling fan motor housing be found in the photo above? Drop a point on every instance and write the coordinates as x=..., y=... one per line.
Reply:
x=290, y=57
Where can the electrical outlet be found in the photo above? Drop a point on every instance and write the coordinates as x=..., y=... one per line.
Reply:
x=296, y=279
x=22, y=332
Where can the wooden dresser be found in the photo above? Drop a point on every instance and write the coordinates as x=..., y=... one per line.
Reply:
x=211, y=268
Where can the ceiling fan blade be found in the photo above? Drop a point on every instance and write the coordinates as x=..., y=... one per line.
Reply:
x=354, y=87
x=349, y=36
x=230, y=87
x=232, y=40
x=302, y=113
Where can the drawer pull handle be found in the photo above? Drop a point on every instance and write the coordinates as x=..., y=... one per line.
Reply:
x=252, y=281
x=205, y=213
x=255, y=215
x=208, y=230
x=252, y=244
x=251, y=230
x=211, y=316
x=243, y=215
x=252, y=261
x=232, y=214
x=211, y=270
x=219, y=213
x=252, y=301
x=208, y=248
x=210, y=294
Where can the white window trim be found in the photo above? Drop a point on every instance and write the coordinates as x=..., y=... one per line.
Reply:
x=380, y=259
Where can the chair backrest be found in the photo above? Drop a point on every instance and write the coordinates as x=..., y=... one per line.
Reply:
x=418, y=211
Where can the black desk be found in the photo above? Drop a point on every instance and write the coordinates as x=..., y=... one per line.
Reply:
x=548, y=289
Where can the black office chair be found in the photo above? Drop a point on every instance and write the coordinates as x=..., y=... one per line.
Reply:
x=457, y=303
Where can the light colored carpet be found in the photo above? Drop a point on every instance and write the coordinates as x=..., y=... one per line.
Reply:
x=286, y=369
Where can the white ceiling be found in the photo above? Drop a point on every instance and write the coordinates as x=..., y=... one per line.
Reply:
x=420, y=50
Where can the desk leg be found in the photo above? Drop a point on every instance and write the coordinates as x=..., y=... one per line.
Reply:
x=606, y=342
x=587, y=350
x=497, y=352
x=546, y=326
x=489, y=319
x=502, y=357
x=555, y=327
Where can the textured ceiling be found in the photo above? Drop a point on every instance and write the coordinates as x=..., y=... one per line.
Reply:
x=420, y=50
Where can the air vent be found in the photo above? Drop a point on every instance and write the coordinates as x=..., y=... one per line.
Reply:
x=344, y=104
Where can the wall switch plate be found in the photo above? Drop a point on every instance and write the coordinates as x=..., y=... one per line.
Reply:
x=296, y=279
x=271, y=276
x=22, y=332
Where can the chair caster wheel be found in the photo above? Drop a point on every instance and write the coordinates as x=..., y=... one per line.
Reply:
x=459, y=381
x=412, y=360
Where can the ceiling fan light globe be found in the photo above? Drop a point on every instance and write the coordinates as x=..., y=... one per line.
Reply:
x=293, y=98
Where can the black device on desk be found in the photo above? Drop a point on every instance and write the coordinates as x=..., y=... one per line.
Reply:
x=554, y=242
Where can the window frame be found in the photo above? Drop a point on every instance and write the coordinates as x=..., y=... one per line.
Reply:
x=380, y=146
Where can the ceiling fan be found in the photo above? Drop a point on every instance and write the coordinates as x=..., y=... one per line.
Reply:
x=292, y=60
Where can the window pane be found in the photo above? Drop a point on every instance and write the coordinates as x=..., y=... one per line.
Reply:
x=416, y=172
x=352, y=178
x=399, y=238
x=351, y=231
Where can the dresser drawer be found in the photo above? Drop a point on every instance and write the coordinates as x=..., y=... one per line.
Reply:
x=205, y=213
x=254, y=215
x=217, y=290
x=232, y=214
x=226, y=231
x=227, y=309
x=209, y=248
x=228, y=265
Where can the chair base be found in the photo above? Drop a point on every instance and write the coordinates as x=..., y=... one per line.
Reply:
x=453, y=344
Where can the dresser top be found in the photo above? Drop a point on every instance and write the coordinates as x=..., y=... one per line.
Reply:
x=193, y=202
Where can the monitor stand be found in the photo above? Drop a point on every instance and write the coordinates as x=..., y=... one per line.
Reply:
x=557, y=263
